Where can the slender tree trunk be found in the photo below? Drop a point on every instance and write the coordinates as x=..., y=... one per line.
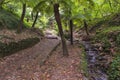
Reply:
x=86, y=27
x=27, y=19
x=110, y=3
x=0, y=6
x=58, y=20
x=1, y=3
x=36, y=17
x=32, y=15
x=71, y=32
x=20, y=26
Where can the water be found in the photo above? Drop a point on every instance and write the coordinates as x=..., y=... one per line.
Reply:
x=94, y=72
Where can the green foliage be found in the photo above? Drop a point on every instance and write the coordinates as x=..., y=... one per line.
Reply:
x=78, y=10
x=103, y=38
x=106, y=33
x=118, y=40
x=100, y=36
x=84, y=63
x=12, y=47
x=112, y=28
x=114, y=69
x=8, y=20
x=106, y=44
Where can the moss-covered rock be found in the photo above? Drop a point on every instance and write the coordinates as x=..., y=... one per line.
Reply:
x=12, y=47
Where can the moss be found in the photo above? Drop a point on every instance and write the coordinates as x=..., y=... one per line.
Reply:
x=118, y=40
x=12, y=47
x=9, y=20
x=84, y=64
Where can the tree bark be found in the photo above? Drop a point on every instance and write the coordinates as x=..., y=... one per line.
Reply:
x=1, y=3
x=58, y=20
x=36, y=17
x=71, y=32
x=20, y=26
x=86, y=27
x=32, y=15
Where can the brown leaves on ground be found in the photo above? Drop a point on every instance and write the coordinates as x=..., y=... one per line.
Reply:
x=62, y=68
x=24, y=66
x=7, y=36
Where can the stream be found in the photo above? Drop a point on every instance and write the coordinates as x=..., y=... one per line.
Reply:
x=94, y=72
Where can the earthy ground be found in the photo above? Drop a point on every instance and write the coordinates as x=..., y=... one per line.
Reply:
x=62, y=68
x=7, y=36
x=25, y=65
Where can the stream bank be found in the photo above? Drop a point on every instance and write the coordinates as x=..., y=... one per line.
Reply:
x=94, y=71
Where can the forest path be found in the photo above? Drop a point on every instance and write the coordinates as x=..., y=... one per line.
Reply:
x=58, y=67
x=23, y=64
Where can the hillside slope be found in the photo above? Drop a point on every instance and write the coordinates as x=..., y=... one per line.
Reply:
x=113, y=20
x=8, y=20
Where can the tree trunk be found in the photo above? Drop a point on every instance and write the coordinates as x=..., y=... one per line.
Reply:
x=58, y=20
x=71, y=32
x=36, y=17
x=1, y=3
x=32, y=16
x=86, y=27
x=22, y=17
x=0, y=6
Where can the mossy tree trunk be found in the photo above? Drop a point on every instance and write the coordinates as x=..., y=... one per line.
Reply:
x=36, y=17
x=86, y=27
x=71, y=31
x=58, y=20
x=20, y=26
x=32, y=16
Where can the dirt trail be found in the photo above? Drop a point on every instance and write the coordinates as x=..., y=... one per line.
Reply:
x=63, y=68
x=25, y=65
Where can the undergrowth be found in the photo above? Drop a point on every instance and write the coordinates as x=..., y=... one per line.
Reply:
x=114, y=69
x=108, y=37
x=84, y=64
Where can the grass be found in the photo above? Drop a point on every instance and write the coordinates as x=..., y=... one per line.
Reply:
x=102, y=34
x=109, y=29
x=84, y=64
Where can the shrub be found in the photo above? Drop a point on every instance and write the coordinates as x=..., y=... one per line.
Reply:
x=118, y=40
x=106, y=44
x=114, y=69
